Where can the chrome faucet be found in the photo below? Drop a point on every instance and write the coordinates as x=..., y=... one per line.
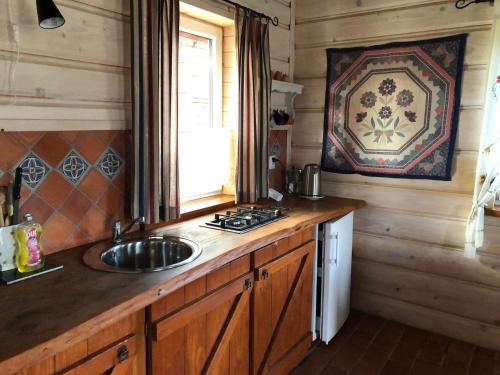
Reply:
x=117, y=228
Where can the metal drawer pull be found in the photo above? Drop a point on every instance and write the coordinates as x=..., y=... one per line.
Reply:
x=122, y=353
x=265, y=274
x=248, y=284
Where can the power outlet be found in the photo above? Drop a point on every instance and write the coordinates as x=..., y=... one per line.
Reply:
x=272, y=164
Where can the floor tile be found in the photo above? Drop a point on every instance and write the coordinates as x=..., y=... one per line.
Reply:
x=370, y=346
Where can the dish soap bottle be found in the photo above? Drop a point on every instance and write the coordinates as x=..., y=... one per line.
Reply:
x=29, y=256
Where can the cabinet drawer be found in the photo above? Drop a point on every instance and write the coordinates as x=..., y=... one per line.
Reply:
x=198, y=288
x=281, y=247
x=117, y=358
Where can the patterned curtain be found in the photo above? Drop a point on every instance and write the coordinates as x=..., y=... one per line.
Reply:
x=254, y=96
x=155, y=29
x=487, y=182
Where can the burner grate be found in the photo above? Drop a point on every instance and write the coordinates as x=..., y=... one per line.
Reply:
x=245, y=219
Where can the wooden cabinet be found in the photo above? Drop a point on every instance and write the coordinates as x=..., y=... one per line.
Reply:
x=203, y=328
x=118, y=349
x=251, y=316
x=281, y=300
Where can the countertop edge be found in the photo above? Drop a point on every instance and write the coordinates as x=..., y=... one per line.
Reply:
x=51, y=347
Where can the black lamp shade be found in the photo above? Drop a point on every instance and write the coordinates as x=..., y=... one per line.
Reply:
x=49, y=16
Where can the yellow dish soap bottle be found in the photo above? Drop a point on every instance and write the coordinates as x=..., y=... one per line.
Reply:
x=29, y=256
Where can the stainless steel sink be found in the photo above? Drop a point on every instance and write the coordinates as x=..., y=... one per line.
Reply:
x=151, y=254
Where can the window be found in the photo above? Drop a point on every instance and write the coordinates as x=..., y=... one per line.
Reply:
x=203, y=141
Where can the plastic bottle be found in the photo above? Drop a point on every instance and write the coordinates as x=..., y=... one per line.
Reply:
x=29, y=256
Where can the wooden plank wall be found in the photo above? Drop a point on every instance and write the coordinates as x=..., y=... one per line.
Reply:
x=77, y=76
x=408, y=246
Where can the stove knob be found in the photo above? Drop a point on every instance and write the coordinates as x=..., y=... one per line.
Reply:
x=277, y=212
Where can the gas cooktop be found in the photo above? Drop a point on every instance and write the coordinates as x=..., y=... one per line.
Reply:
x=245, y=219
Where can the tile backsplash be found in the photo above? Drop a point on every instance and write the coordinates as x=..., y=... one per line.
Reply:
x=75, y=183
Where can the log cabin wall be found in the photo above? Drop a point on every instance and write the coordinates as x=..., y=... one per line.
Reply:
x=408, y=246
x=71, y=93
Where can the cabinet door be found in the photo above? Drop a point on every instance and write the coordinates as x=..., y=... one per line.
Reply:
x=282, y=297
x=207, y=336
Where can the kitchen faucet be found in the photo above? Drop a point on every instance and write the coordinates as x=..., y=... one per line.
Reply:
x=117, y=228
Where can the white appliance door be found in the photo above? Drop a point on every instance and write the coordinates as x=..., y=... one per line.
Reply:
x=337, y=260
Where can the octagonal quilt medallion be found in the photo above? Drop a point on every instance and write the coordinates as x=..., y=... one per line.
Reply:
x=393, y=110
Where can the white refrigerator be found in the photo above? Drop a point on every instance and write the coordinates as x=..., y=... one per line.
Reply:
x=333, y=280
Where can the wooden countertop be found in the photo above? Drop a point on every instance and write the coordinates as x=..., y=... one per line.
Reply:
x=44, y=315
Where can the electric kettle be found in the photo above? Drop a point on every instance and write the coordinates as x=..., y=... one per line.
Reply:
x=311, y=181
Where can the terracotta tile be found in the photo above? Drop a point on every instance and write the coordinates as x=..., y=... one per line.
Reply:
x=113, y=202
x=316, y=361
x=56, y=230
x=94, y=184
x=95, y=224
x=55, y=189
x=337, y=343
x=76, y=238
x=90, y=146
x=70, y=136
x=11, y=151
x=76, y=206
x=452, y=367
x=25, y=194
x=121, y=144
x=460, y=351
x=299, y=370
x=396, y=368
x=5, y=179
x=38, y=208
x=29, y=138
x=410, y=345
x=434, y=349
x=425, y=368
x=350, y=353
x=330, y=370
x=106, y=136
x=52, y=148
x=122, y=181
x=373, y=361
x=371, y=325
x=483, y=362
x=496, y=370
x=390, y=335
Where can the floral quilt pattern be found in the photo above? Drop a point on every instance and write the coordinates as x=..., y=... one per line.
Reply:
x=392, y=110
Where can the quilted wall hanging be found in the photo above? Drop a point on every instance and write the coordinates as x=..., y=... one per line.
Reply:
x=392, y=110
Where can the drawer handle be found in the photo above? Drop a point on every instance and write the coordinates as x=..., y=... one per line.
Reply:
x=122, y=353
x=265, y=274
x=248, y=284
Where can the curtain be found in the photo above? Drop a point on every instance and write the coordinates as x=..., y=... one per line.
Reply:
x=155, y=29
x=254, y=96
x=488, y=170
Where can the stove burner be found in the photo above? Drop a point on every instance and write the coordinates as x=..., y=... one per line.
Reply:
x=245, y=219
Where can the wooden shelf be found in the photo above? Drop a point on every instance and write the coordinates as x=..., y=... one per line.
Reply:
x=492, y=212
x=286, y=87
x=282, y=127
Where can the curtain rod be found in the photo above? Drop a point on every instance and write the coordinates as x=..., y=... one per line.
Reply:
x=274, y=20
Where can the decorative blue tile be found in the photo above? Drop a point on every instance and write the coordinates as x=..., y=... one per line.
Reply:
x=109, y=164
x=73, y=167
x=34, y=170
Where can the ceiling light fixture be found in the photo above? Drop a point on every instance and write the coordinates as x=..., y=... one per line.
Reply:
x=49, y=16
x=461, y=4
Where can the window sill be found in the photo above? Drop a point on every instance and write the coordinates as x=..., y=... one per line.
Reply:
x=492, y=212
x=197, y=207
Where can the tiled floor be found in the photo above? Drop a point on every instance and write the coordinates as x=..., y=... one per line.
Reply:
x=368, y=345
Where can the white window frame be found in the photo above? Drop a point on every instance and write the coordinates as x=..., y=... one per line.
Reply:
x=213, y=32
